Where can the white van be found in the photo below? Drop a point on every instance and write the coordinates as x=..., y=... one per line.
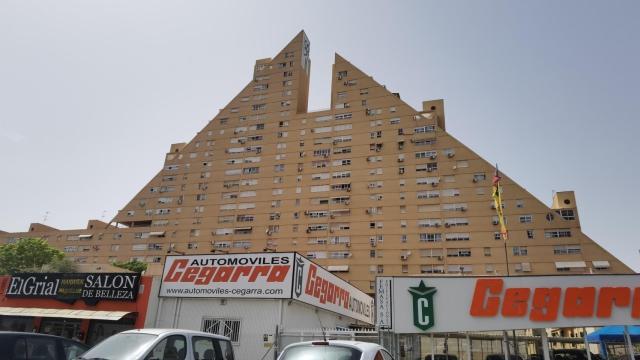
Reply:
x=162, y=344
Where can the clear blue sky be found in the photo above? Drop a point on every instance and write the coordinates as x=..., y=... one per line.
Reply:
x=92, y=93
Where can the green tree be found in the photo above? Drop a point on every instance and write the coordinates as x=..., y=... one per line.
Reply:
x=133, y=265
x=60, y=266
x=27, y=254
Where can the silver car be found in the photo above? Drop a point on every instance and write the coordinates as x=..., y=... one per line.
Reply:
x=162, y=344
x=334, y=350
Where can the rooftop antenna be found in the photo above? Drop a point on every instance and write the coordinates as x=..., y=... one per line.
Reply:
x=46, y=215
x=104, y=213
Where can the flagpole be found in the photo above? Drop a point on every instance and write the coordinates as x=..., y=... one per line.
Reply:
x=506, y=256
x=497, y=199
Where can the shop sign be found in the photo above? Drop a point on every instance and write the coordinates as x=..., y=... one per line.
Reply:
x=260, y=275
x=263, y=276
x=69, y=287
x=450, y=304
x=317, y=286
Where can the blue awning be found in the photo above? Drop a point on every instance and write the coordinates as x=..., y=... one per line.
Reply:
x=614, y=333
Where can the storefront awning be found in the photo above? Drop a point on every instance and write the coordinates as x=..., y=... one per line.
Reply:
x=63, y=313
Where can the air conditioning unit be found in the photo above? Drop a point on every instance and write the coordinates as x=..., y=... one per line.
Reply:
x=450, y=155
x=454, y=167
x=495, y=222
x=447, y=225
x=400, y=160
x=347, y=202
x=433, y=157
x=242, y=141
x=404, y=257
x=308, y=231
x=347, y=244
x=475, y=180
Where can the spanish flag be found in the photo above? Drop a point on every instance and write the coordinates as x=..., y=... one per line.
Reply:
x=497, y=202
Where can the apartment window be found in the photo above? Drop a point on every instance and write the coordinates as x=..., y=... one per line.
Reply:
x=479, y=177
x=426, y=155
x=497, y=235
x=557, y=233
x=242, y=218
x=258, y=107
x=429, y=167
x=567, y=249
x=432, y=269
x=457, y=236
x=342, y=150
x=430, y=237
x=522, y=267
x=380, y=269
x=251, y=170
x=459, y=252
x=519, y=203
x=526, y=219
x=423, y=142
x=278, y=168
x=568, y=214
x=344, y=117
x=487, y=251
x=529, y=234
x=519, y=250
x=424, y=129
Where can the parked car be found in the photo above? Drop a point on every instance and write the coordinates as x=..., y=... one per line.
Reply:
x=573, y=354
x=161, y=344
x=501, y=357
x=441, y=357
x=334, y=350
x=34, y=346
x=566, y=354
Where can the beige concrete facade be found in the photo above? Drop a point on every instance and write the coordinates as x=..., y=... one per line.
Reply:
x=369, y=187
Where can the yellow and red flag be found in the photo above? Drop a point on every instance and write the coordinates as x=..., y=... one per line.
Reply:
x=497, y=202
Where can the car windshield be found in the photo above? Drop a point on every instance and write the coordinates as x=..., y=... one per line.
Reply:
x=121, y=347
x=321, y=352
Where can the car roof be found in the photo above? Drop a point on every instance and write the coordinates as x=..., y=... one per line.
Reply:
x=160, y=332
x=360, y=345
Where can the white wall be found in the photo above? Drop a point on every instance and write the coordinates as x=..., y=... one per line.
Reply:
x=258, y=317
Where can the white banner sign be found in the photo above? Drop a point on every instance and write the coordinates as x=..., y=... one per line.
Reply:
x=449, y=304
x=316, y=286
x=264, y=275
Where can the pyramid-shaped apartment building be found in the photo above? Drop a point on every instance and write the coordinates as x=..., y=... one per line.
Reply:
x=369, y=187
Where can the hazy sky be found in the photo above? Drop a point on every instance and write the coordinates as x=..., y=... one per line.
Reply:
x=92, y=93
